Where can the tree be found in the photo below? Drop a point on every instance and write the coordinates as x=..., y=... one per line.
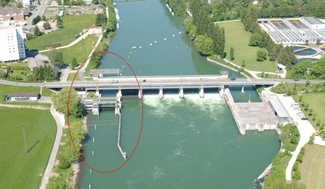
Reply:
x=261, y=55
x=101, y=19
x=46, y=25
x=243, y=64
x=43, y=18
x=60, y=101
x=204, y=45
x=55, y=57
x=74, y=63
x=59, y=22
x=56, y=182
x=232, y=53
x=36, y=20
x=37, y=32
x=254, y=39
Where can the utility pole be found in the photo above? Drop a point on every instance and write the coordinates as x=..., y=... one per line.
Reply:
x=25, y=138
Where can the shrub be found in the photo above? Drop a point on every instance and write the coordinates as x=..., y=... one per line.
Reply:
x=297, y=175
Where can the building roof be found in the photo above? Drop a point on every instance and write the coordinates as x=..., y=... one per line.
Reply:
x=277, y=106
x=24, y=94
x=312, y=20
x=6, y=11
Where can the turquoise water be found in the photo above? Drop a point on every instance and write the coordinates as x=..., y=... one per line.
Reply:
x=186, y=143
x=301, y=59
x=306, y=52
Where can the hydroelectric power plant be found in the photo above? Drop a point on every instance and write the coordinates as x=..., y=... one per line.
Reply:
x=189, y=142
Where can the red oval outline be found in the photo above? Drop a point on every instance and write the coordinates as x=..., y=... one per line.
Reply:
x=142, y=114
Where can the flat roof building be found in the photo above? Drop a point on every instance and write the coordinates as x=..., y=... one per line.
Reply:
x=312, y=22
x=12, y=46
x=279, y=110
x=24, y=96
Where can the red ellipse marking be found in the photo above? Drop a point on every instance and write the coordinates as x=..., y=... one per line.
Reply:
x=141, y=123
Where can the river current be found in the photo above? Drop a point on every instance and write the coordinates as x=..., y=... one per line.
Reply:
x=186, y=143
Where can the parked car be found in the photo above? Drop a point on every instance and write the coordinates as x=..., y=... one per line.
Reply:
x=304, y=118
x=232, y=79
x=296, y=79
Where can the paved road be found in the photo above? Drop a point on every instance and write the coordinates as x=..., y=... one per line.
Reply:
x=186, y=81
x=59, y=120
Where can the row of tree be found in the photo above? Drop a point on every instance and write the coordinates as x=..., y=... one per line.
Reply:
x=42, y=73
x=209, y=38
x=261, y=39
x=178, y=6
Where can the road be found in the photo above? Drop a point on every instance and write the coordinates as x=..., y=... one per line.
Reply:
x=186, y=81
x=39, y=12
x=59, y=120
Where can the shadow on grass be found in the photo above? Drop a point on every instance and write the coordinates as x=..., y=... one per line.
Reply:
x=33, y=146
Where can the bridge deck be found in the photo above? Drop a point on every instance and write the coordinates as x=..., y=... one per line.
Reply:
x=98, y=72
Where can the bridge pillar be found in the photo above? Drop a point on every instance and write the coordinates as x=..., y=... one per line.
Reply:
x=201, y=92
x=242, y=89
x=181, y=93
x=97, y=92
x=119, y=94
x=161, y=93
x=140, y=95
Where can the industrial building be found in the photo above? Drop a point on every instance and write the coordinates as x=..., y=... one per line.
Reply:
x=294, y=30
x=12, y=46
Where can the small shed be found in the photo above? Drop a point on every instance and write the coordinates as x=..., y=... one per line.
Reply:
x=24, y=96
x=279, y=110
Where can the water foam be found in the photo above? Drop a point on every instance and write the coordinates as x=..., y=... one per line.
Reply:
x=157, y=173
x=210, y=103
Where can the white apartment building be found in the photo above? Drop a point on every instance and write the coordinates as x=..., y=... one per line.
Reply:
x=12, y=46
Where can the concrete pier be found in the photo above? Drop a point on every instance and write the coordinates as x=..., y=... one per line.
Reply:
x=201, y=92
x=140, y=95
x=123, y=153
x=181, y=93
x=161, y=93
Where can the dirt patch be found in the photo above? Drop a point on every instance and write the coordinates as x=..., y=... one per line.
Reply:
x=54, y=174
x=62, y=143
x=56, y=162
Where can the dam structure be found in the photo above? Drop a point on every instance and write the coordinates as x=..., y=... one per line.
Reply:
x=95, y=104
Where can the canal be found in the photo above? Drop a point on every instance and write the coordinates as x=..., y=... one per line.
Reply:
x=186, y=143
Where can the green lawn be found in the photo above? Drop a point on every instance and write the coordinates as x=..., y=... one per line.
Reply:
x=7, y=89
x=18, y=169
x=80, y=51
x=70, y=77
x=72, y=26
x=313, y=167
x=238, y=38
x=316, y=102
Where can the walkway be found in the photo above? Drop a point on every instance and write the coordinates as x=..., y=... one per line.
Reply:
x=89, y=32
x=59, y=120
x=305, y=128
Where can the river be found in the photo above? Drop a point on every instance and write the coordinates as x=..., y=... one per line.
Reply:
x=186, y=143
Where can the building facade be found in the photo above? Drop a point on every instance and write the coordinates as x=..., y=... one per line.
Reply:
x=12, y=46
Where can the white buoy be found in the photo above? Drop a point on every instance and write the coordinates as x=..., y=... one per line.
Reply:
x=165, y=38
x=89, y=186
x=95, y=127
x=93, y=153
x=176, y=47
x=155, y=41
x=140, y=47
x=128, y=57
x=134, y=47
x=150, y=44
x=93, y=139
x=173, y=35
x=179, y=32
x=89, y=171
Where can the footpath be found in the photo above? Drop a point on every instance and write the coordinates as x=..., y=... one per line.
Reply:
x=305, y=128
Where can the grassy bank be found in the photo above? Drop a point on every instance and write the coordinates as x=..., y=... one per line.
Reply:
x=73, y=25
x=316, y=102
x=80, y=51
x=313, y=167
x=238, y=38
x=18, y=169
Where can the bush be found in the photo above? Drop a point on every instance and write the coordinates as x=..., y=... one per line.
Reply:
x=64, y=164
x=295, y=166
x=299, y=158
x=297, y=175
